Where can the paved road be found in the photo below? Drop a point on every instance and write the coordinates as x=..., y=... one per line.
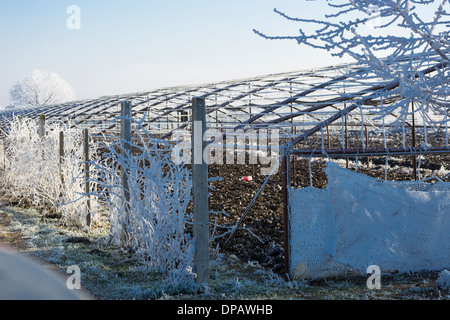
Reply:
x=23, y=278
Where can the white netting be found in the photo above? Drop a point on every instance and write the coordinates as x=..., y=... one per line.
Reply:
x=360, y=221
x=308, y=229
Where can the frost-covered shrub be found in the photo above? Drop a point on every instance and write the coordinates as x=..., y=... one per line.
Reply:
x=152, y=219
x=36, y=174
x=2, y=155
x=405, y=43
x=149, y=217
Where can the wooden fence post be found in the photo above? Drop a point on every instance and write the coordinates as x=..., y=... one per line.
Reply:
x=42, y=135
x=367, y=146
x=413, y=143
x=346, y=139
x=125, y=138
x=286, y=184
x=200, y=192
x=61, y=160
x=42, y=119
x=4, y=155
x=328, y=138
x=87, y=175
x=61, y=146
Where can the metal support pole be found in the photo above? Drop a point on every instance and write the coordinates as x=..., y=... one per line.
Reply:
x=367, y=146
x=42, y=119
x=61, y=146
x=346, y=140
x=87, y=175
x=200, y=192
x=42, y=136
x=413, y=134
x=286, y=184
x=125, y=138
x=4, y=154
x=328, y=137
x=61, y=159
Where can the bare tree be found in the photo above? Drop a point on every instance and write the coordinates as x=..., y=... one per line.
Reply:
x=39, y=88
x=396, y=40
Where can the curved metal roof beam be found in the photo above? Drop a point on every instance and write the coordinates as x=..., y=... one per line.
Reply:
x=388, y=87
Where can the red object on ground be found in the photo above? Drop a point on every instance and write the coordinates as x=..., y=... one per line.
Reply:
x=247, y=178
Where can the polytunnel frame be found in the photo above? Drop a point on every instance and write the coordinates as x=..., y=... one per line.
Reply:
x=236, y=99
x=290, y=149
x=162, y=104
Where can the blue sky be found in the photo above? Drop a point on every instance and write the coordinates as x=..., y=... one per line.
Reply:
x=138, y=45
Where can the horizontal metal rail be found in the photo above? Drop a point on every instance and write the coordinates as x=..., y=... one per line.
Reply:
x=369, y=152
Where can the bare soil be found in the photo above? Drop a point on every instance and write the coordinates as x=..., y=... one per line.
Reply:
x=261, y=235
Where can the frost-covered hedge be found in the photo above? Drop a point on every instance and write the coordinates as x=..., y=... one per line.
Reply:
x=36, y=174
x=152, y=220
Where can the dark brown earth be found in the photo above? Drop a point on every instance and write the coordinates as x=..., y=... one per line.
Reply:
x=261, y=237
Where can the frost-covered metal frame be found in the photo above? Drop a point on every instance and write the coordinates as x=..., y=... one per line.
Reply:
x=298, y=104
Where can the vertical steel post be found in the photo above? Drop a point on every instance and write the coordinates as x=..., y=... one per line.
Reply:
x=42, y=119
x=4, y=155
x=285, y=170
x=125, y=142
x=367, y=145
x=61, y=159
x=200, y=192
x=328, y=138
x=61, y=146
x=413, y=133
x=87, y=175
x=346, y=140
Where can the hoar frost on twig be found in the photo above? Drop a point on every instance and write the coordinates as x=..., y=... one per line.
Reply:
x=35, y=172
x=151, y=220
x=395, y=40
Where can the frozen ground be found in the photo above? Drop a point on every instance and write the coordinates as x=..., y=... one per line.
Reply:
x=109, y=273
x=252, y=264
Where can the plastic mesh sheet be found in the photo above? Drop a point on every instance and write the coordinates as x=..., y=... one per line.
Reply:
x=359, y=221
